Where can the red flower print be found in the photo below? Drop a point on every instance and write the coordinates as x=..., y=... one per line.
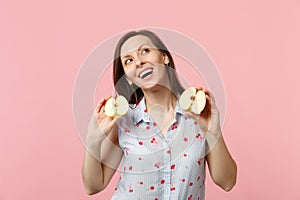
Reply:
x=185, y=139
x=147, y=127
x=154, y=124
x=169, y=151
x=152, y=187
x=173, y=166
x=140, y=143
x=153, y=140
x=126, y=150
x=141, y=182
x=157, y=165
x=183, y=180
x=172, y=187
x=199, y=161
x=140, y=158
x=190, y=197
x=130, y=189
x=162, y=181
x=185, y=155
x=198, y=178
x=199, y=136
x=116, y=188
x=174, y=126
x=191, y=184
x=145, y=110
x=130, y=168
x=126, y=130
x=195, y=122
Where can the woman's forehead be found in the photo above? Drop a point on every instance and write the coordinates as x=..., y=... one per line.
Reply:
x=134, y=43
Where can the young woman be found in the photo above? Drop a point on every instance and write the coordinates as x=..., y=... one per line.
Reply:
x=164, y=148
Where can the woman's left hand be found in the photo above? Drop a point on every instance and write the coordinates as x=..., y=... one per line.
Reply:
x=212, y=123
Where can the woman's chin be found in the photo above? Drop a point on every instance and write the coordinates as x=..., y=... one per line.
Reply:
x=154, y=86
x=149, y=85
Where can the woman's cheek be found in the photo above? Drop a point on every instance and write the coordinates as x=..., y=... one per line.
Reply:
x=132, y=76
x=129, y=72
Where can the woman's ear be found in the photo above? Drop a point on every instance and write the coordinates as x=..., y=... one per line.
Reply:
x=166, y=59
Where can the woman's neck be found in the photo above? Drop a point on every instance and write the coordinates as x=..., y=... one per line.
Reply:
x=162, y=97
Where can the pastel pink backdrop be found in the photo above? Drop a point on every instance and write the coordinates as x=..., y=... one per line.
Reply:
x=255, y=45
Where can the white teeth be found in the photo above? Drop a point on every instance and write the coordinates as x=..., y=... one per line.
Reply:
x=145, y=72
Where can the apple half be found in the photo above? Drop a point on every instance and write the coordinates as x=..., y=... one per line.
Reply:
x=193, y=100
x=116, y=106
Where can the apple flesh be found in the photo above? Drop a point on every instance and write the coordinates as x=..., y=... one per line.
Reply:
x=193, y=100
x=116, y=106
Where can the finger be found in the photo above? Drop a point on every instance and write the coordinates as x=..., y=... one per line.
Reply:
x=112, y=122
x=101, y=111
x=209, y=99
x=101, y=104
x=97, y=109
x=207, y=94
x=210, y=94
x=101, y=115
x=205, y=91
x=192, y=115
x=199, y=88
x=188, y=113
x=115, y=120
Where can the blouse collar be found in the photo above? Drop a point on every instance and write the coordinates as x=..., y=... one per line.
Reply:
x=141, y=113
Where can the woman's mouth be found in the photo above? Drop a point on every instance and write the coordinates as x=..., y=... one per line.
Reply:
x=146, y=73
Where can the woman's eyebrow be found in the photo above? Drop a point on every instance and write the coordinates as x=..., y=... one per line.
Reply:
x=132, y=51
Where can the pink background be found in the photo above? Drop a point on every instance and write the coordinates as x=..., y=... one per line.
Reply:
x=255, y=45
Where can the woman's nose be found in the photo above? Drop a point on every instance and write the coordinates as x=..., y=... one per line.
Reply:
x=139, y=62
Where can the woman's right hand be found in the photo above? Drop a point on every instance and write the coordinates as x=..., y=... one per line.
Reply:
x=99, y=127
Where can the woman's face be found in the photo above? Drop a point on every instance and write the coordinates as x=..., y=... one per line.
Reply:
x=143, y=63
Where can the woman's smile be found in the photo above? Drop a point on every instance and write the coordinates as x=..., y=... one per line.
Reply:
x=146, y=73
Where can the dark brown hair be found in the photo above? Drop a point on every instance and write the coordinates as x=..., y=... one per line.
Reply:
x=133, y=93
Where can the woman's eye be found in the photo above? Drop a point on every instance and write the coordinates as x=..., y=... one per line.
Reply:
x=127, y=61
x=146, y=50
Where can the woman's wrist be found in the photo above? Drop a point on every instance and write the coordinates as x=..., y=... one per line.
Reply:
x=212, y=139
x=93, y=145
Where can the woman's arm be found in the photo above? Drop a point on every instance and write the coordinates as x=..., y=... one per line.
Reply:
x=222, y=167
x=103, y=154
x=97, y=173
